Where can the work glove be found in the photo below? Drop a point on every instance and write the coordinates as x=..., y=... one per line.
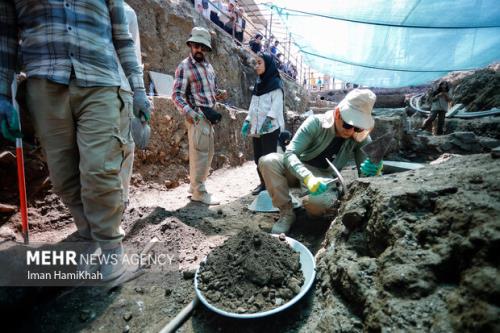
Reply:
x=370, y=169
x=245, y=128
x=9, y=120
x=266, y=126
x=314, y=185
x=193, y=117
x=142, y=105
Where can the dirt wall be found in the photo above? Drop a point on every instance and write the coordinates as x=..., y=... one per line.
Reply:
x=415, y=251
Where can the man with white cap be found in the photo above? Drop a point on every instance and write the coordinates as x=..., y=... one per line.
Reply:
x=195, y=94
x=336, y=135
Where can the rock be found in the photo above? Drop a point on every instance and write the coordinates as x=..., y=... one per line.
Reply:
x=139, y=290
x=86, y=315
x=127, y=316
x=495, y=152
x=421, y=259
x=7, y=209
x=187, y=275
x=126, y=329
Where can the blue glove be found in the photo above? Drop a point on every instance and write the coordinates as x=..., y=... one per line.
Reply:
x=245, y=128
x=266, y=126
x=142, y=106
x=9, y=120
x=370, y=169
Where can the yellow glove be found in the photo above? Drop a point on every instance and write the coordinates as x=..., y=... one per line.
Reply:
x=314, y=185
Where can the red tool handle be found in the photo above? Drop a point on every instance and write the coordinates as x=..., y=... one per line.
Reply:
x=22, y=190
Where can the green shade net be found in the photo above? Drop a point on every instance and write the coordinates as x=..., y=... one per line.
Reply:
x=396, y=43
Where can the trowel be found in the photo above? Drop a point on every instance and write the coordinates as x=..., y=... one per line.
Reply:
x=376, y=149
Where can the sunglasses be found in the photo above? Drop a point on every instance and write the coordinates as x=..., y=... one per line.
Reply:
x=347, y=127
x=199, y=46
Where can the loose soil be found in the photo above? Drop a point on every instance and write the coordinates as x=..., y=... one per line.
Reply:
x=251, y=272
x=152, y=300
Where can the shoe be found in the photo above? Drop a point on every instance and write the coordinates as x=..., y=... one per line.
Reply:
x=258, y=189
x=205, y=198
x=287, y=218
x=112, y=263
x=88, y=250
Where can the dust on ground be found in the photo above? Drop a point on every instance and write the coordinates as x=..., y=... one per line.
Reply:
x=147, y=305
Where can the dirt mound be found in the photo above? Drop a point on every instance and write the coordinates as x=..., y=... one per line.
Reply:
x=477, y=90
x=251, y=272
x=420, y=253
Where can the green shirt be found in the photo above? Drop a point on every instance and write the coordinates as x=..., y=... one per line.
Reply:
x=312, y=138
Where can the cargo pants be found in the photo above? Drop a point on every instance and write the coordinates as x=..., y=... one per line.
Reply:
x=201, y=153
x=85, y=135
x=279, y=179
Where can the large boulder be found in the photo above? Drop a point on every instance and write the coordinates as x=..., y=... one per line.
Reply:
x=415, y=251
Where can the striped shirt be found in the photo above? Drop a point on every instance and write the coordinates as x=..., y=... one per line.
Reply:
x=55, y=38
x=194, y=85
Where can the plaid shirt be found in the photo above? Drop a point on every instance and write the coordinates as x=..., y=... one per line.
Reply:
x=194, y=85
x=56, y=37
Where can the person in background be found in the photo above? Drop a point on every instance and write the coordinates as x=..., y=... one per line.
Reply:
x=336, y=135
x=229, y=24
x=274, y=48
x=240, y=24
x=256, y=43
x=265, y=118
x=77, y=110
x=195, y=94
x=439, y=107
x=215, y=7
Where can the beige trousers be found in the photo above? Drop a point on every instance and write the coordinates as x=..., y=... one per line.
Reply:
x=201, y=153
x=85, y=134
x=279, y=179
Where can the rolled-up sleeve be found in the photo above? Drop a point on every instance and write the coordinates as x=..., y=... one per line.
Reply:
x=8, y=45
x=124, y=45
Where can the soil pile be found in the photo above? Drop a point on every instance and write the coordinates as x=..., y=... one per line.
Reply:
x=251, y=272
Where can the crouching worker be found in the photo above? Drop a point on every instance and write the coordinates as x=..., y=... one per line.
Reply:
x=336, y=135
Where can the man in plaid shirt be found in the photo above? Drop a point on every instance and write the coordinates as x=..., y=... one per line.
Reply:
x=194, y=87
x=71, y=52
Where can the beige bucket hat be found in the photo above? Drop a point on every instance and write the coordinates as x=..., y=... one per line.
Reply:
x=202, y=36
x=356, y=108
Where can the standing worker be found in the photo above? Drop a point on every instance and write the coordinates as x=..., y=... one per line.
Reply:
x=439, y=107
x=336, y=135
x=195, y=94
x=69, y=55
x=265, y=118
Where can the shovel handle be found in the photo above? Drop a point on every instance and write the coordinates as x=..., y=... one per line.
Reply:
x=22, y=190
x=181, y=317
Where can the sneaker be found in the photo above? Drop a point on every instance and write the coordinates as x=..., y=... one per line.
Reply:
x=287, y=218
x=205, y=198
x=259, y=189
x=113, y=269
x=88, y=250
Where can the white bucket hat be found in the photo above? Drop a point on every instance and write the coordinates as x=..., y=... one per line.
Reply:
x=356, y=108
x=202, y=36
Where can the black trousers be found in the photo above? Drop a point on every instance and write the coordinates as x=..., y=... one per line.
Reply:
x=263, y=145
x=440, y=114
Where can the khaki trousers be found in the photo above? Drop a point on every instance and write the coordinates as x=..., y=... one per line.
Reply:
x=201, y=153
x=85, y=134
x=279, y=179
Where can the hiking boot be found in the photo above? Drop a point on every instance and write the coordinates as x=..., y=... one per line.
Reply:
x=205, y=198
x=283, y=225
x=259, y=189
